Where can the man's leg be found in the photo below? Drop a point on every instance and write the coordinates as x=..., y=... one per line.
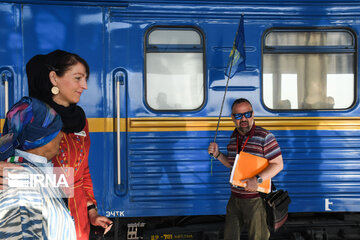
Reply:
x=232, y=226
x=256, y=217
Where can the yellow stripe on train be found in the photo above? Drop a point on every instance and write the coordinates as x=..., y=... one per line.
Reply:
x=209, y=124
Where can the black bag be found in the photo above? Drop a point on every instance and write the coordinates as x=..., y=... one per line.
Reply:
x=276, y=208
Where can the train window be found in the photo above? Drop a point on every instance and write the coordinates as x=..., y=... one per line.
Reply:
x=305, y=39
x=174, y=37
x=175, y=76
x=309, y=69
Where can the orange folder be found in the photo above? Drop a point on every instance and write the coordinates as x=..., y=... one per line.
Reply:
x=247, y=165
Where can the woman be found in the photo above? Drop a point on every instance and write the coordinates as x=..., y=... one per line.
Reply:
x=32, y=134
x=59, y=78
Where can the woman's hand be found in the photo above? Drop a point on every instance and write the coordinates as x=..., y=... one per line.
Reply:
x=98, y=220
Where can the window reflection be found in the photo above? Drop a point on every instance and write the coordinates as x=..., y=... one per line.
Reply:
x=305, y=80
x=174, y=70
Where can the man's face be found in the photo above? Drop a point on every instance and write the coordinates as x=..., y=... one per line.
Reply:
x=245, y=120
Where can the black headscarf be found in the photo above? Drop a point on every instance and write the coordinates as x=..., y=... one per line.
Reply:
x=37, y=70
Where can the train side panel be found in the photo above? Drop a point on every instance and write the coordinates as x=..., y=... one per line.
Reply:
x=146, y=162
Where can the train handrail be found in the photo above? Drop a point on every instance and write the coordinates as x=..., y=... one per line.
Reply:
x=5, y=76
x=119, y=78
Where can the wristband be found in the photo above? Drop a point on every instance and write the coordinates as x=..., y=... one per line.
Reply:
x=218, y=155
x=92, y=206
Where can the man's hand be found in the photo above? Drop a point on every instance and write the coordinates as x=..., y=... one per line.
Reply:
x=251, y=184
x=213, y=149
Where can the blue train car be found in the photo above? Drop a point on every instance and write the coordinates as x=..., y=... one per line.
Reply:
x=156, y=85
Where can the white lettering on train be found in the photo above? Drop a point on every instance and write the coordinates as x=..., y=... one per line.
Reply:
x=115, y=213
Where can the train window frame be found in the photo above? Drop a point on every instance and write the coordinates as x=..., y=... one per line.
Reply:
x=151, y=48
x=343, y=50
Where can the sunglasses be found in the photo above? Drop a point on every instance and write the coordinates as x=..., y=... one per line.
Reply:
x=238, y=116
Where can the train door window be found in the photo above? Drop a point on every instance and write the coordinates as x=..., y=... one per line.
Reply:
x=174, y=63
x=309, y=69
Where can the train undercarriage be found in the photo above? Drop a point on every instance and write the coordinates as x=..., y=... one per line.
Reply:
x=299, y=226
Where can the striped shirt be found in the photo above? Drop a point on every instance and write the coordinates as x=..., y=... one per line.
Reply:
x=260, y=142
x=33, y=212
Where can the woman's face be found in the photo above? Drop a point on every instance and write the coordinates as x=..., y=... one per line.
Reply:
x=71, y=85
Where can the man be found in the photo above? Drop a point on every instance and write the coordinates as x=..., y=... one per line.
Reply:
x=245, y=207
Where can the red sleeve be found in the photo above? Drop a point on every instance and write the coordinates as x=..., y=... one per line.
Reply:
x=87, y=182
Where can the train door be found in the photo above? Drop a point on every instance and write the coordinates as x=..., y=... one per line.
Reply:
x=31, y=29
x=142, y=174
x=123, y=64
x=10, y=62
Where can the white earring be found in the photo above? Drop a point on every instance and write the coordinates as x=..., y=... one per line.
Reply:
x=55, y=90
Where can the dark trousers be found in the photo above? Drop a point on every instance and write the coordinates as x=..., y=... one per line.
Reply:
x=248, y=213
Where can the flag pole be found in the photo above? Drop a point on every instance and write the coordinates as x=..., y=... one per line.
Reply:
x=222, y=105
x=229, y=75
x=233, y=52
x=223, y=100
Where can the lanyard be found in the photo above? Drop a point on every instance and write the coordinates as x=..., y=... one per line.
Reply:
x=252, y=131
x=237, y=144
